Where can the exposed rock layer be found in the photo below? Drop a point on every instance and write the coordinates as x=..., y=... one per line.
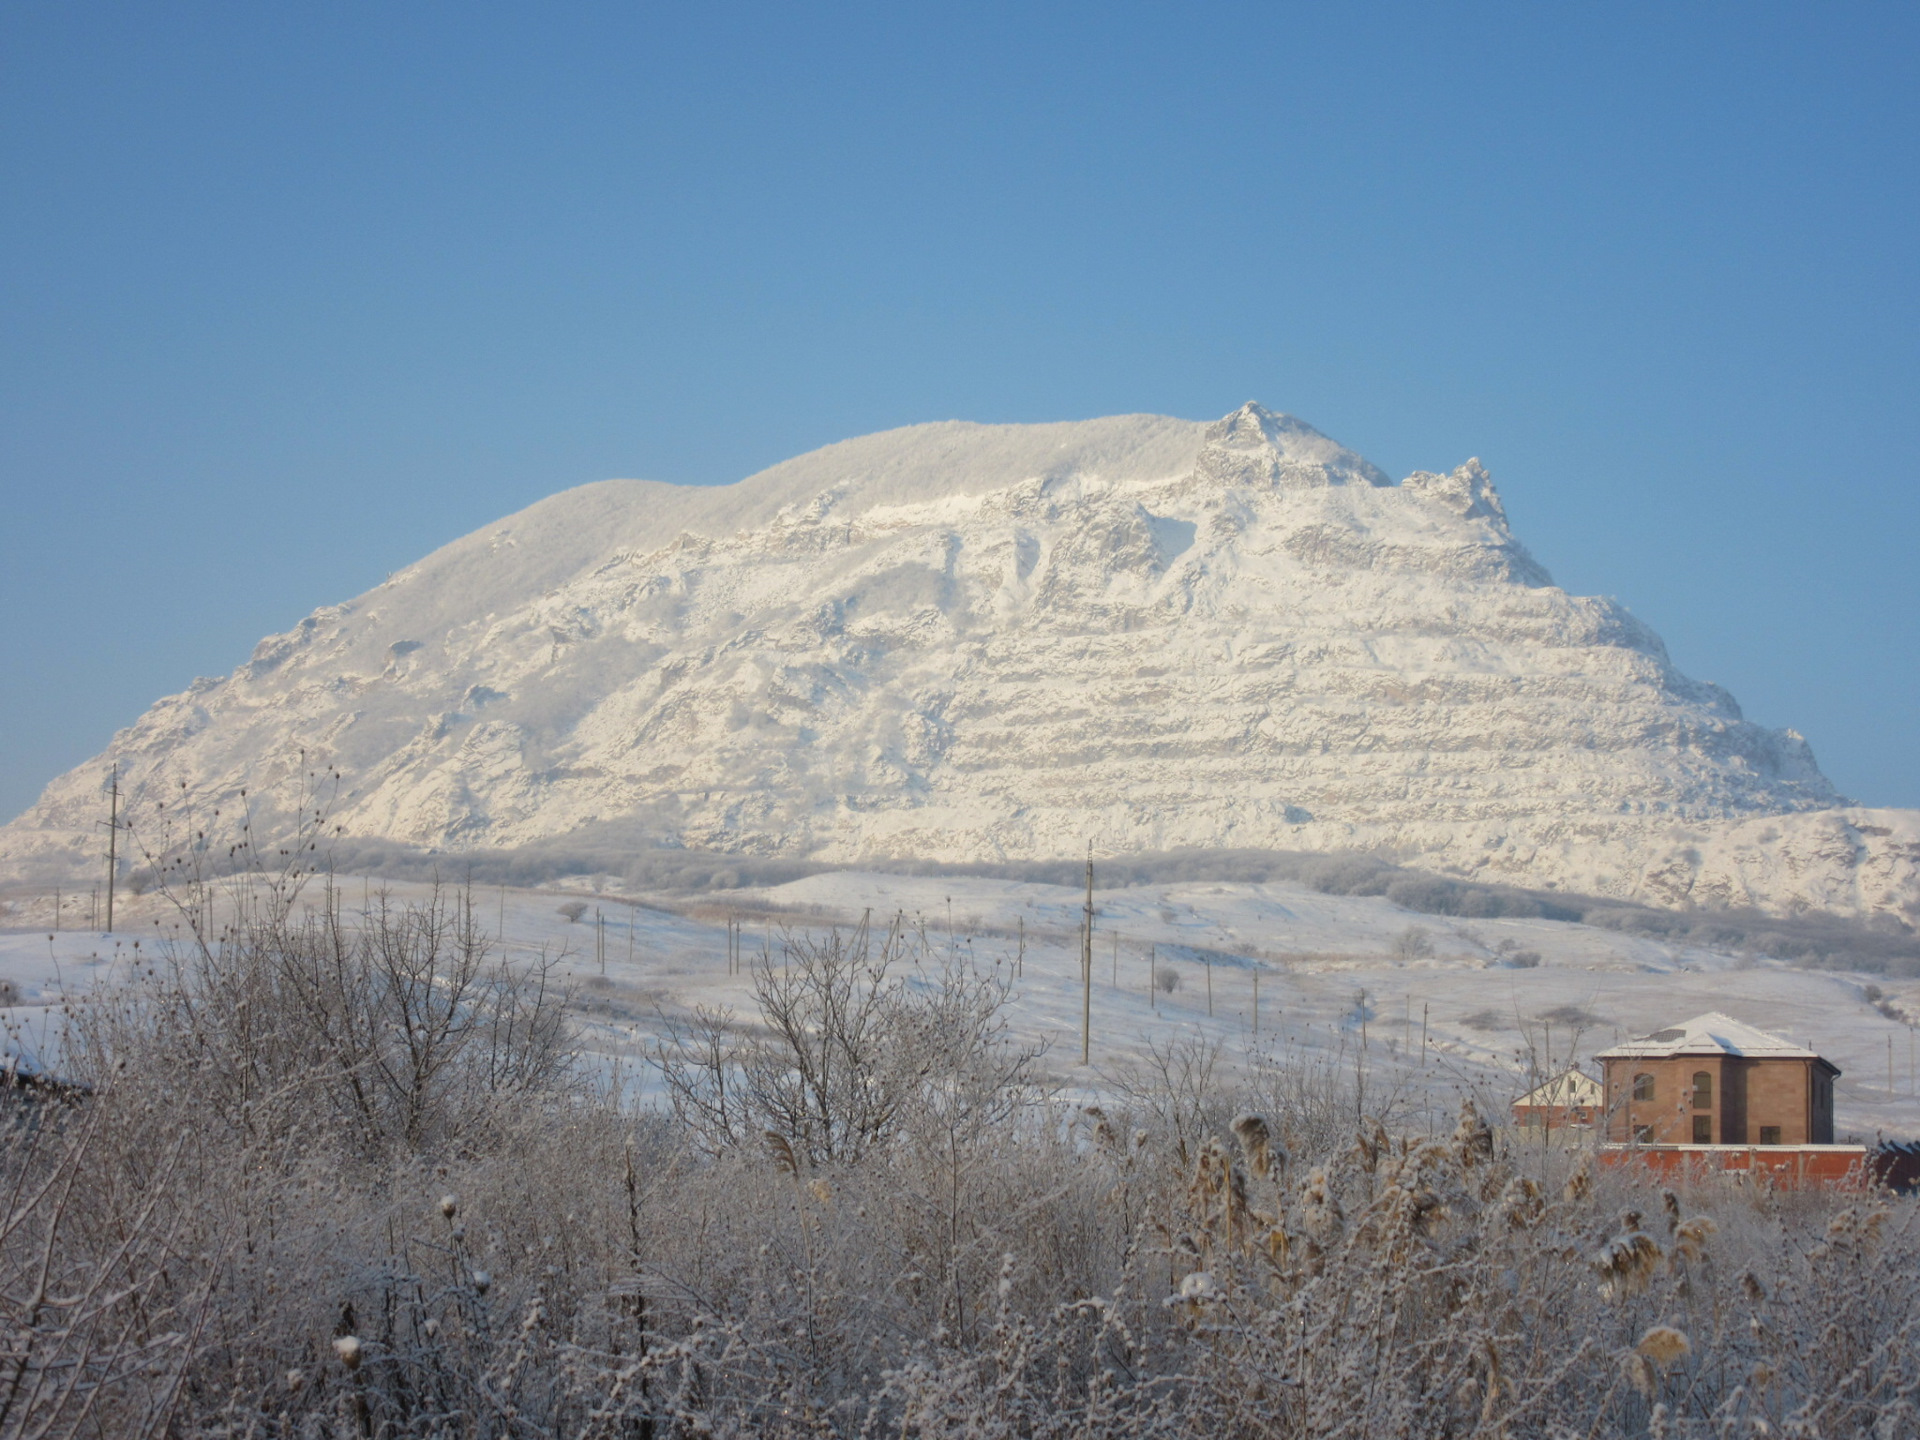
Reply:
x=962, y=641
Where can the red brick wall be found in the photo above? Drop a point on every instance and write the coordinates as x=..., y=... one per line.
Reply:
x=1747, y=1094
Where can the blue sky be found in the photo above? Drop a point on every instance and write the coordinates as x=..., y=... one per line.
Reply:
x=290, y=295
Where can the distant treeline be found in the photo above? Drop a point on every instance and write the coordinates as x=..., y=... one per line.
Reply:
x=1823, y=941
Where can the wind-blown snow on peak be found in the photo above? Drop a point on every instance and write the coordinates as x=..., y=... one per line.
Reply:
x=1254, y=446
x=959, y=641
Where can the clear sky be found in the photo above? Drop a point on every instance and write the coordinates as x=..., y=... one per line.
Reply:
x=292, y=294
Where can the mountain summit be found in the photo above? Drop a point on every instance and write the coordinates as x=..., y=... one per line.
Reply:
x=960, y=642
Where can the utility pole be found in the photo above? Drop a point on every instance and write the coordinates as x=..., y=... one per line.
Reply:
x=1153, y=978
x=1256, y=999
x=600, y=938
x=1209, y=987
x=1086, y=967
x=113, y=839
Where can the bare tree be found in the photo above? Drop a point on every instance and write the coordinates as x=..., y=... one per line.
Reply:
x=845, y=1051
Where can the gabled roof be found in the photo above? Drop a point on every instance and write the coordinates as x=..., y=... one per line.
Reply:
x=1710, y=1034
x=1575, y=1087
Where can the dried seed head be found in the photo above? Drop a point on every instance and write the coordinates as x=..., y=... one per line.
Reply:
x=482, y=1282
x=449, y=1206
x=1320, y=1214
x=1471, y=1136
x=1664, y=1345
x=1256, y=1142
x=1199, y=1288
x=1639, y=1372
x=783, y=1156
x=821, y=1191
x=1626, y=1263
x=295, y=1379
x=1691, y=1236
x=1750, y=1282
x=347, y=1347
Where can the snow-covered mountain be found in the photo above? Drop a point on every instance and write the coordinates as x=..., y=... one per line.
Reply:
x=960, y=641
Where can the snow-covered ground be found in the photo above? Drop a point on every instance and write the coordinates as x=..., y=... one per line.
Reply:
x=1334, y=977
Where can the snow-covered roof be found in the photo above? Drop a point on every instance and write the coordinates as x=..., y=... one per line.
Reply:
x=1709, y=1034
x=1575, y=1087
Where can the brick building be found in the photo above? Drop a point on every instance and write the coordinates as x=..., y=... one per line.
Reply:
x=1572, y=1100
x=1715, y=1081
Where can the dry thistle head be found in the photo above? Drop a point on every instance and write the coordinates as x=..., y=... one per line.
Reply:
x=1670, y=1202
x=347, y=1348
x=482, y=1282
x=1664, y=1345
x=449, y=1206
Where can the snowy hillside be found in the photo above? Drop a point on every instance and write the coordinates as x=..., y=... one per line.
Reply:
x=962, y=641
x=1473, y=1005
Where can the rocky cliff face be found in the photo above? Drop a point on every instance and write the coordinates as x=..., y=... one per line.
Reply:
x=962, y=641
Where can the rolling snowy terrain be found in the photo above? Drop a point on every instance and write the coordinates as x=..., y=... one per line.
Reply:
x=1492, y=1003
x=960, y=642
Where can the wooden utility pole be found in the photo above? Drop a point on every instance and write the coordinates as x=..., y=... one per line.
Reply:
x=1209, y=960
x=1256, y=1000
x=1086, y=967
x=113, y=839
x=1153, y=977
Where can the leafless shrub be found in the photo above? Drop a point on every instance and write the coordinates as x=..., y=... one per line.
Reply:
x=845, y=1052
x=1413, y=943
x=573, y=910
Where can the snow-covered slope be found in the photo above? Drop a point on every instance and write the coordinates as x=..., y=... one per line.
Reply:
x=964, y=641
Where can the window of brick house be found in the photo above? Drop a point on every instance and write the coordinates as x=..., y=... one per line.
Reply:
x=1703, y=1130
x=1643, y=1134
x=1643, y=1087
x=1703, y=1090
x=1769, y=1134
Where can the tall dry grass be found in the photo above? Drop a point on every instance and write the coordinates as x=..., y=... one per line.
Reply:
x=338, y=1176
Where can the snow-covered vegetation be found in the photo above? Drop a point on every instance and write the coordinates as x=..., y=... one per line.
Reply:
x=335, y=1167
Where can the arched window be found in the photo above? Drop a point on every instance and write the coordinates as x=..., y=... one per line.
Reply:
x=1643, y=1087
x=1703, y=1090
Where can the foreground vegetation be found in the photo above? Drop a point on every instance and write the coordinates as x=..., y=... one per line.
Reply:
x=331, y=1174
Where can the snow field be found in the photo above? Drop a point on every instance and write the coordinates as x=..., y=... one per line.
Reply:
x=1335, y=986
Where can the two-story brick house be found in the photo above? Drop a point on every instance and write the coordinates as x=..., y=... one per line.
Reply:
x=1716, y=1081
